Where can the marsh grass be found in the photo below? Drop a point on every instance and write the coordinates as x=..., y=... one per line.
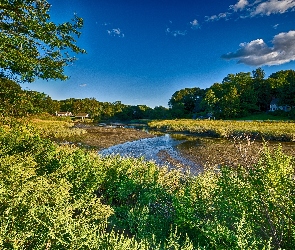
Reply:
x=213, y=153
x=262, y=130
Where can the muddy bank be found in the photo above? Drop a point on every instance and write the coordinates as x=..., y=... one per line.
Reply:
x=103, y=137
x=211, y=153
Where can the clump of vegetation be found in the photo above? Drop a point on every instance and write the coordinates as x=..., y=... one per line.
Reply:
x=60, y=197
x=57, y=130
x=268, y=130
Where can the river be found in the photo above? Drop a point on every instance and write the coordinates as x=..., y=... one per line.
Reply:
x=161, y=149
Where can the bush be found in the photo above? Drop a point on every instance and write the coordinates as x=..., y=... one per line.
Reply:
x=54, y=197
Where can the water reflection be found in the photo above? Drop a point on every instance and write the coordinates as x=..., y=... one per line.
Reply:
x=180, y=151
x=161, y=149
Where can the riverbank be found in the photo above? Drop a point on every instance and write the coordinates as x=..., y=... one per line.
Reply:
x=202, y=151
x=207, y=152
x=216, y=152
x=104, y=137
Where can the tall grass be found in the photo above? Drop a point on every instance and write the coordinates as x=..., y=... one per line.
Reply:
x=56, y=129
x=268, y=130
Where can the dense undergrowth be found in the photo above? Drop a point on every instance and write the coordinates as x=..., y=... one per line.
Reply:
x=268, y=130
x=62, y=197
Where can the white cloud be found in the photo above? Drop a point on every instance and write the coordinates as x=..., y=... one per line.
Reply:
x=276, y=26
x=195, y=24
x=116, y=32
x=254, y=8
x=240, y=5
x=258, y=53
x=273, y=7
x=83, y=85
x=176, y=33
x=223, y=15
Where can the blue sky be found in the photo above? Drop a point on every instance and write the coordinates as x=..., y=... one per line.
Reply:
x=142, y=51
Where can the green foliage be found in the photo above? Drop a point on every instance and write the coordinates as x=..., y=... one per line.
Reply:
x=19, y=103
x=242, y=208
x=238, y=95
x=141, y=193
x=40, y=202
x=185, y=102
x=51, y=196
x=54, y=197
x=33, y=46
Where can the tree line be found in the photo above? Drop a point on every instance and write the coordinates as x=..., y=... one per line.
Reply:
x=16, y=102
x=238, y=95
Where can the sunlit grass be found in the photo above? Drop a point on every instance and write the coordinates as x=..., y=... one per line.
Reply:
x=268, y=130
x=55, y=129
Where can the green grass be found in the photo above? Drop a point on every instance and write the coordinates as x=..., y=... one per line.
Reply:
x=268, y=130
x=263, y=117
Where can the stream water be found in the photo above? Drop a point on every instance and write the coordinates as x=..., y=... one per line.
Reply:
x=161, y=149
x=164, y=150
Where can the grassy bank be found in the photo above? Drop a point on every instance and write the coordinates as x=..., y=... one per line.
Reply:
x=64, y=197
x=85, y=135
x=268, y=130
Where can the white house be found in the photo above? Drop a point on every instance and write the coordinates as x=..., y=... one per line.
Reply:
x=61, y=113
x=82, y=115
x=275, y=106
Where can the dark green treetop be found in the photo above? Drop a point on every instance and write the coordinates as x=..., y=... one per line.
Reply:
x=31, y=45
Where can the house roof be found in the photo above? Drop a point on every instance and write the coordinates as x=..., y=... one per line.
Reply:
x=81, y=115
x=274, y=101
x=63, y=113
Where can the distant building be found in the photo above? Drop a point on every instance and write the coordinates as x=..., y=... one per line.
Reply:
x=82, y=115
x=274, y=105
x=61, y=113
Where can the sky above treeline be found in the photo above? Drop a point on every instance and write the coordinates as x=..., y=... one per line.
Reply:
x=142, y=51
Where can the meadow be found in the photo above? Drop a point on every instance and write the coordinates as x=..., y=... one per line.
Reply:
x=56, y=196
x=263, y=130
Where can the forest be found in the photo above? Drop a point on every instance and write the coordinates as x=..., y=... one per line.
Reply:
x=239, y=95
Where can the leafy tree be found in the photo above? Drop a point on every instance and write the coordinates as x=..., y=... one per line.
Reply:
x=262, y=89
x=244, y=87
x=12, y=98
x=209, y=102
x=283, y=83
x=33, y=46
x=67, y=104
x=185, y=102
x=40, y=102
x=230, y=103
x=160, y=112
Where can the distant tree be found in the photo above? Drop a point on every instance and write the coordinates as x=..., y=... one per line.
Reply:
x=243, y=84
x=40, y=102
x=160, y=112
x=283, y=85
x=17, y=102
x=67, y=104
x=210, y=101
x=262, y=89
x=10, y=93
x=33, y=46
x=230, y=103
x=185, y=102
